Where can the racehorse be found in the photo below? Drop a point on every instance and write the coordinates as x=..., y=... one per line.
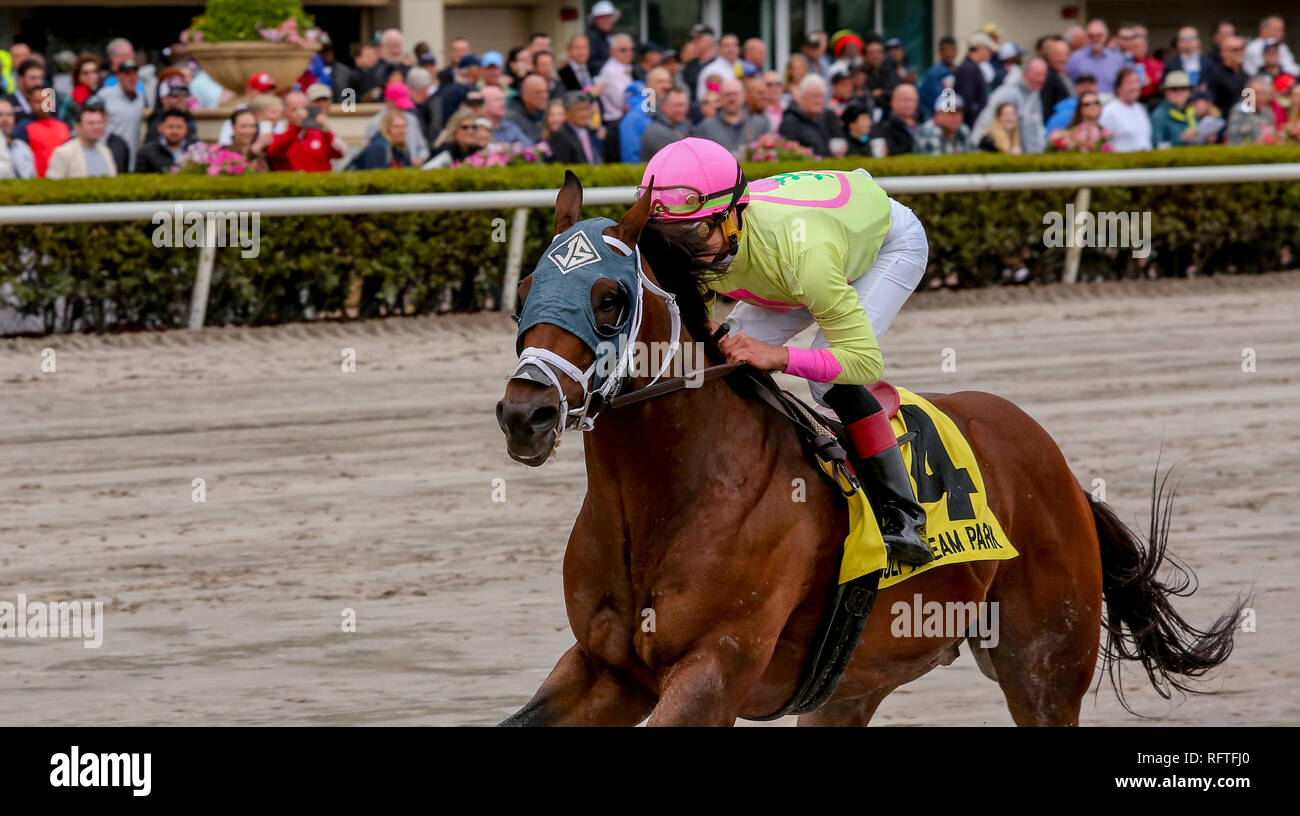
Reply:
x=694, y=584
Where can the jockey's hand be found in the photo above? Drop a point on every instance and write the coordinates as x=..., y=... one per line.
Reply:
x=741, y=348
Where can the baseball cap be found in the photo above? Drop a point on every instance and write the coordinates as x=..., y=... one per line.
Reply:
x=427, y=58
x=893, y=42
x=261, y=82
x=699, y=29
x=399, y=95
x=1271, y=43
x=948, y=102
x=494, y=58
x=474, y=98
x=318, y=90
x=1009, y=50
x=171, y=87
x=838, y=76
x=1199, y=95
x=468, y=61
x=129, y=65
x=747, y=68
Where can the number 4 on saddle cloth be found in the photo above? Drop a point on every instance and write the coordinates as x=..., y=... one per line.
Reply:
x=960, y=525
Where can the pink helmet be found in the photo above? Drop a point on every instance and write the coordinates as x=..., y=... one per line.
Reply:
x=693, y=179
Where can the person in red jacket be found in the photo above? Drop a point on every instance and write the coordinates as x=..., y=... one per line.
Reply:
x=41, y=130
x=307, y=144
x=1150, y=72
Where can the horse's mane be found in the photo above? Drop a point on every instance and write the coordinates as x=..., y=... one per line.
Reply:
x=672, y=267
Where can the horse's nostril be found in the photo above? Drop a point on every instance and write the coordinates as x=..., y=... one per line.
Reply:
x=543, y=419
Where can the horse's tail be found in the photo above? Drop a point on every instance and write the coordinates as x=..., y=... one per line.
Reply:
x=1141, y=623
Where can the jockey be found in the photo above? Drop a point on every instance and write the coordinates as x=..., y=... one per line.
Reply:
x=813, y=246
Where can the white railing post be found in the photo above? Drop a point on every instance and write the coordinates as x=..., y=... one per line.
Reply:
x=203, y=279
x=1074, y=253
x=514, y=259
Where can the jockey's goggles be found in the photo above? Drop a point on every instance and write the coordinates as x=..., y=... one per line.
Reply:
x=682, y=201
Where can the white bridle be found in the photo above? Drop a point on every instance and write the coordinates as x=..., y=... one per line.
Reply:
x=553, y=365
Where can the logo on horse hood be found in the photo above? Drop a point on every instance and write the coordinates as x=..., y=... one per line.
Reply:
x=576, y=252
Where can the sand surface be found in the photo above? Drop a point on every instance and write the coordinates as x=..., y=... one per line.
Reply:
x=373, y=491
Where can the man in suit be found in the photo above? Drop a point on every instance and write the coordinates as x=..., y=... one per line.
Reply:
x=575, y=142
x=971, y=84
x=1189, y=59
x=459, y=48
x=574, y=75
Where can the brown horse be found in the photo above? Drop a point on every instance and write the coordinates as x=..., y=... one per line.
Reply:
x=694, y=584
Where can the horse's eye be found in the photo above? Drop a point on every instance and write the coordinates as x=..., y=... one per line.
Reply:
x=608, y=302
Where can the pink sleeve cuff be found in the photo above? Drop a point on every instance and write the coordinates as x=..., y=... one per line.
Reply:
x=818, y=365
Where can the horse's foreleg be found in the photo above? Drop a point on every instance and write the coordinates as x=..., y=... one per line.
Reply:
x=699, y=689
x=580, y=691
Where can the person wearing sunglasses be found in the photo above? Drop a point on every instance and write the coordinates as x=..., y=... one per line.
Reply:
x=824, y=247
x=466, y=134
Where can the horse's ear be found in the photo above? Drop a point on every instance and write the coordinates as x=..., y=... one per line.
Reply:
x=629, y=229
x=568, y=204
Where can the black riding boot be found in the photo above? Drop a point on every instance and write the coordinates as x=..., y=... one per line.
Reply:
x=879, y=465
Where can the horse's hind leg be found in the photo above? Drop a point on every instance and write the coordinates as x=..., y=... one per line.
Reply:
x=846, y=712
x=1047, y=638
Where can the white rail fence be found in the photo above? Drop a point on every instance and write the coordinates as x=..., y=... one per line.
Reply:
x=521, y=201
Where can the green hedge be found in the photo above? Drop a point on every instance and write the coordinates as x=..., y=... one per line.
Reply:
x=111, y=275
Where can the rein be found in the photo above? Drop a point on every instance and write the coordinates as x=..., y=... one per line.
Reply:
x=669, y=386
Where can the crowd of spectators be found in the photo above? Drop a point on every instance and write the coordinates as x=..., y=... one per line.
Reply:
x=604, y=99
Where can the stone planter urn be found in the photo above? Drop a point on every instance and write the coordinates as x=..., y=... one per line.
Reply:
x=232, y=63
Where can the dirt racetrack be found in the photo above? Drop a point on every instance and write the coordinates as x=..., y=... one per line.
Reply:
x=373, y=491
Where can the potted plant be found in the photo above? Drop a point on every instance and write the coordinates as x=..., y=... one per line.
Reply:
x=235, y=39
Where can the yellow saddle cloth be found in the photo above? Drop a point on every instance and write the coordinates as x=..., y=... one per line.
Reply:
x=959, y=523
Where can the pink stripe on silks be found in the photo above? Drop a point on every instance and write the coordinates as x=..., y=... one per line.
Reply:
x=762, y=303
x=818, y=365
x=839, y=200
